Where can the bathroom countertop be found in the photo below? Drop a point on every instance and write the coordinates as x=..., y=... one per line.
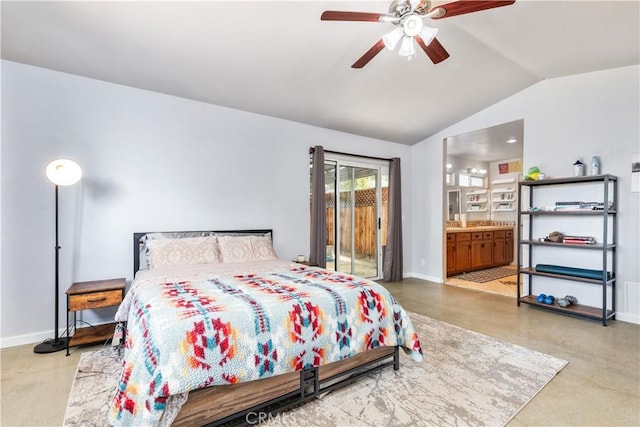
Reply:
x=480, y=228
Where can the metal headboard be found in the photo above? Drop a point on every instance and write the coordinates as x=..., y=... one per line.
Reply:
x=138, y=239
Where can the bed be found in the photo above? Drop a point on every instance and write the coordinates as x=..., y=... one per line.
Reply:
x=219, y=330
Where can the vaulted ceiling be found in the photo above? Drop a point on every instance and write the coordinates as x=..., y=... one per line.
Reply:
x=279, y=59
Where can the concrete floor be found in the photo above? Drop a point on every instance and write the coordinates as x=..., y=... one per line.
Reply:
x=599, y=387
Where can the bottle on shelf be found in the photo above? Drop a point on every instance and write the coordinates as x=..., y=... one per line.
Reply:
x=595, y=165
x=578, y=168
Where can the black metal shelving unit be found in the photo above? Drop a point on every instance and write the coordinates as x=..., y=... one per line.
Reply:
x=607, y=245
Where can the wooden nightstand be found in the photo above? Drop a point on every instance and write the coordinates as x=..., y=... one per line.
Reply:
x=89, y=296
x=307, y=263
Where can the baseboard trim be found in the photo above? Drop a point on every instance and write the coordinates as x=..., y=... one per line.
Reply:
x=34, y=338
x=628, y=317
x=425, y=277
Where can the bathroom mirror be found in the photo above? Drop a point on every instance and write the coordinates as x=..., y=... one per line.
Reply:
x=453, y=202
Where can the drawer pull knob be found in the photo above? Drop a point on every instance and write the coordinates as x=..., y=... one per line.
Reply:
x=96, y=299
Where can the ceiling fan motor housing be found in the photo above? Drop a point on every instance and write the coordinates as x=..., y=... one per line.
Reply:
x=412, y=25
x=400, y=7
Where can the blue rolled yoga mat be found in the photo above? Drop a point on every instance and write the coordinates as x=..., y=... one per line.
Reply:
x=571, y=271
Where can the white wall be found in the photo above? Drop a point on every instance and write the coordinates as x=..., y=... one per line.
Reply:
x=150, y=162
x=564, y=119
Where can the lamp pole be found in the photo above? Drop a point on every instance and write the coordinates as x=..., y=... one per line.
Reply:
x=56, y=340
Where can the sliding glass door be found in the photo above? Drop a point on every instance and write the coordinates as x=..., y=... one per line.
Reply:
x=354, y=217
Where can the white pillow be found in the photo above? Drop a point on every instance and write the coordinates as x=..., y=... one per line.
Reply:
x=185, y=251
x=235, y=248
x=262, y=248
x=245, y=248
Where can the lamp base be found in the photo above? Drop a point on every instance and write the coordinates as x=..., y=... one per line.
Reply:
x=51, y=345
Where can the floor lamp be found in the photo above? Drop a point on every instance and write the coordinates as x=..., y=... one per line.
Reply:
x=61, y=172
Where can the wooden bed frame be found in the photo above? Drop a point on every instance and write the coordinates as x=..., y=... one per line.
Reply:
x=248, y=403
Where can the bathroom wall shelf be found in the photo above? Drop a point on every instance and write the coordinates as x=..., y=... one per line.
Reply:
x=477, y=201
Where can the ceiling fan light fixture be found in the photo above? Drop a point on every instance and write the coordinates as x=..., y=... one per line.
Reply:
x=407, y=47
x=392, y=38
x=428, y=34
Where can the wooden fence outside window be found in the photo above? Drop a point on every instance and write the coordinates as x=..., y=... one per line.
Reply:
x=365, y=221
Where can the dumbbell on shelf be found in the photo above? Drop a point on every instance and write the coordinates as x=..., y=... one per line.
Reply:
x=546, y=299
x=567, y=301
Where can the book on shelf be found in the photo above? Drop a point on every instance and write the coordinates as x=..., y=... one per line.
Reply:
x=579, y=237
x=596, y=206
x=579, y=206
x=569, y=205
x=579, y=240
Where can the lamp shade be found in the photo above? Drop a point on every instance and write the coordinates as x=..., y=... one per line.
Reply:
x=428, y=34
x=63, y=172
x=406, y=48
x=392, y=38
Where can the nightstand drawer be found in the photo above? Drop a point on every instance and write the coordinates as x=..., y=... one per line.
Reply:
x=95, y=300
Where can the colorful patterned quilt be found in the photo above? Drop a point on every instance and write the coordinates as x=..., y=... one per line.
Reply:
x=185, y=335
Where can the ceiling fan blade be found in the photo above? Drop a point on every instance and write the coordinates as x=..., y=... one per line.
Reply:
x=462, y=7
x=434, y=50
x=333, y=15
x=368, y=56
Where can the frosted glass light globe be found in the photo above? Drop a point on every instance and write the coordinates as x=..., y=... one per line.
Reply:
x=63, y=172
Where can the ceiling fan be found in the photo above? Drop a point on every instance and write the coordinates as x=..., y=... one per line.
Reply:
x=408, y=16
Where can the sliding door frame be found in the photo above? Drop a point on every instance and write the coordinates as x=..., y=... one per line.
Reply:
x=381, y=169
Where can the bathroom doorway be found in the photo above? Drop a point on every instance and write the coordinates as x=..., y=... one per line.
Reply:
x=483, y=168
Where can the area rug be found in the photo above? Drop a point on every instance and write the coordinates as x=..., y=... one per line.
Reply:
x=466, y=378
x=488, y=275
